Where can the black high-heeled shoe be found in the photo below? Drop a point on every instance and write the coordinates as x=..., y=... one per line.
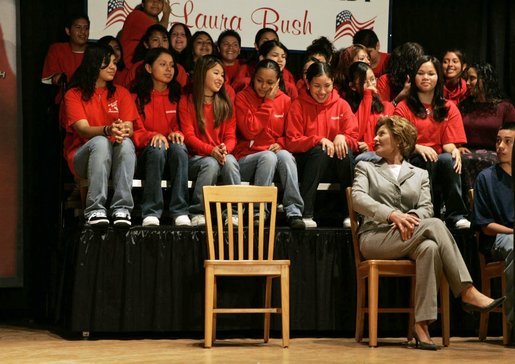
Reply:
x=422, y=345
x=468, y=307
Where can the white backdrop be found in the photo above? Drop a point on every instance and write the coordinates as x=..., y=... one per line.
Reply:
x=297, y=22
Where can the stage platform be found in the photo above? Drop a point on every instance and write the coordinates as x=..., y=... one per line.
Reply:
x=151, y=280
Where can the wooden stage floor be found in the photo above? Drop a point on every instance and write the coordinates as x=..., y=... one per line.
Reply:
x=30, y=345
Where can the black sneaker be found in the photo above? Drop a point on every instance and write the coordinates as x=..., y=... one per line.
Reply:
x=121, y=219
x=98, y=219
x=296, y=223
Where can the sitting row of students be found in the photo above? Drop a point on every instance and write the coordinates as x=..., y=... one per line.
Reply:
x=322, y=132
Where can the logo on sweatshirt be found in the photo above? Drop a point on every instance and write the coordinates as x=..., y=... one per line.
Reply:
x=112, y=107
x=279, y=115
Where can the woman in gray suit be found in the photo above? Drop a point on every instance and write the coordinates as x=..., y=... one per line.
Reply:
x=394, y=198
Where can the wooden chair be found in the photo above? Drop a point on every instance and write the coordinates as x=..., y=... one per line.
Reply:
x=372, y=270
x=244, y=258
x=489, y=271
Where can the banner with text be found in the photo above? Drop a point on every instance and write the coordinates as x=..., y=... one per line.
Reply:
x=296, y=22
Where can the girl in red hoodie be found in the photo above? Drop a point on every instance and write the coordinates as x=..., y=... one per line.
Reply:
x=261, y=111
x=453, y=66
x=158, y=139
x=322, y=131
x=364, y=100
x=209, y=126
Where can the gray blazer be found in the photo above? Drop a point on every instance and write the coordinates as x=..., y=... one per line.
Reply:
x=376, y=194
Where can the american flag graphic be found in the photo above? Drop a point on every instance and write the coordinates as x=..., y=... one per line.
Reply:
x=346, y=24
x=117, y=11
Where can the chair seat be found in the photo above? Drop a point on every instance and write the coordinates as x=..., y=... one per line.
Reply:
x=247, y=267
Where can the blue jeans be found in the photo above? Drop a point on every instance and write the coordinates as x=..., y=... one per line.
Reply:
x=448, y=183
x=153, y=161
x=503, y=250
x=367, y=157
x=314, y=167
x=260, y=168
x=206, y=170
x=98, y=159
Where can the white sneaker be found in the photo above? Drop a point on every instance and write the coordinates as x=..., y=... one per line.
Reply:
x=198, y=220
x=121, y=218
x=98, y=218
x=346, y=222
x=234, y=221
x=183, y=220
x=309, y=222
x=150, y=221
x=462, y=224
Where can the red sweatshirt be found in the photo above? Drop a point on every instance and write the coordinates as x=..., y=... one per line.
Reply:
x=97, y=111
x=367, y=119
x=309, y=121
x=260, y=122
x=60, y=58
x=199, y=143
x=458, y=93
x=383, y=88
x=432, y=133
x=380, y=69
x=160, y=118
x=134, y=28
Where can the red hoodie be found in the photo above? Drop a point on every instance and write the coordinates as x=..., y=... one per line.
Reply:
x=260, y=122
x=199, y=143
x=160, y=118
x=367, y=119
x=458, y=93
x=309, y=121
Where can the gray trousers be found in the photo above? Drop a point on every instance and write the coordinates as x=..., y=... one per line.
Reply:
x=433, y=249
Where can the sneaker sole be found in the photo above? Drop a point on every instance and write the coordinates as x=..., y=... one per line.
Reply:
x=122, y=223
x=104, y=222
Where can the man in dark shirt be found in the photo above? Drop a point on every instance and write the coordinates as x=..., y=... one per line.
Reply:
x=493, y=209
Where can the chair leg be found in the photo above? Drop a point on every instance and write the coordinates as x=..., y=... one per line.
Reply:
x=445, y=311
x=268, y=304
x=505, y=329
x=285, y=304
x=373, y=302
x=483, y=318
x=360, y=312
x=411, y=316
x=215, y=294
x=208, y=311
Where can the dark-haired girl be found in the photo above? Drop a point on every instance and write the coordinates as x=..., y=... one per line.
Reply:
x=321, y=131
x=155, y=37
x=201, y=44
x=440, y=133
x=483, y=112
x=453, y=66
x=277, y=52
x=121, y=70
x=261, y=111
x=209, y=125
x=179, y=36
x=366, y=103
x=98, y=120
x=159, y=140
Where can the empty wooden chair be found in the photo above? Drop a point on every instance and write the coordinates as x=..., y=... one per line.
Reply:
x=372, y=270
x=247, y=256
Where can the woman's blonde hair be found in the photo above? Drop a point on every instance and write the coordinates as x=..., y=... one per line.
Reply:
x=402, y=130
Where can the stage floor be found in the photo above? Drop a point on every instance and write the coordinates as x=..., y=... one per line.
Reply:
x=33, y=345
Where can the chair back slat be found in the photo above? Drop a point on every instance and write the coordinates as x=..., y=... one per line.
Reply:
x=220, y=231
x=353, y=226
x=241, y=198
